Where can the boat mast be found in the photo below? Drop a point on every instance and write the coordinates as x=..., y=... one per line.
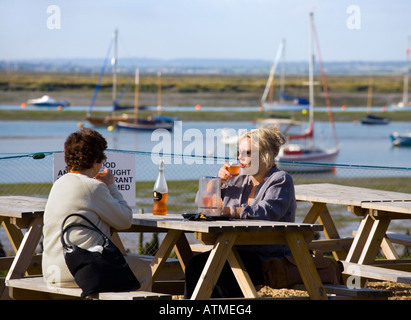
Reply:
x=159, y=108
x=311, y=72
x=272, y=71
x=114, y=64
x=282, y=78
x=136, y=84
x=407, y=69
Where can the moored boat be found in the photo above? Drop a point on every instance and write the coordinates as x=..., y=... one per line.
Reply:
x=401, y=139
x=47, y=101
x=309, y=152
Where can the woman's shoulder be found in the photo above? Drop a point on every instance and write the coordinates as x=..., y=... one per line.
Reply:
x=276, y=175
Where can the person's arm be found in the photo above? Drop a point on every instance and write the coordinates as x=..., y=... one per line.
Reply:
x=111, y=206
x=275, y=203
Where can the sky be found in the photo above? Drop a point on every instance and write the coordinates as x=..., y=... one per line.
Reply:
x=367, y=30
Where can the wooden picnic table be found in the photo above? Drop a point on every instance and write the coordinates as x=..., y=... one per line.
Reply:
x=376, y=207
x=22, y=212
x=27, y=212
x=223, y=236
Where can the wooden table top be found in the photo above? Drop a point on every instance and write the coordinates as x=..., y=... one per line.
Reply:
x=390, y=206
x=177, y=222
x=21, y=206
x=345, y=195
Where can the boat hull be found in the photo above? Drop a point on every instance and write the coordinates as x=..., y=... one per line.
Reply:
x=144, y=126
x=401, y=140
x=375, y=120
x=318, y=160
x=104, y=121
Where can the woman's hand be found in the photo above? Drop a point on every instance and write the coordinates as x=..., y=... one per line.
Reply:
x=224, y=174
x=107, y=177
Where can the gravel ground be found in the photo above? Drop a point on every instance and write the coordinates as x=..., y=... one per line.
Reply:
x=399, y=291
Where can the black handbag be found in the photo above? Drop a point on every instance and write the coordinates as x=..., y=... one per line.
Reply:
x=97, y=271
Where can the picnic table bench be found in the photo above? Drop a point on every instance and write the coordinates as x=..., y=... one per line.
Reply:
x=20, y=212
x=377, y=208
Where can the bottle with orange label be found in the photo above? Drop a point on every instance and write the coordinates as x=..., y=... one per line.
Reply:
x=160, y=192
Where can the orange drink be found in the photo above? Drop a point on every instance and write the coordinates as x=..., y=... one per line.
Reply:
x=160, y=203
x=234, y=169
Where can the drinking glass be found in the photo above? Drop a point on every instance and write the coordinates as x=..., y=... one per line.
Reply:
x=234, y=169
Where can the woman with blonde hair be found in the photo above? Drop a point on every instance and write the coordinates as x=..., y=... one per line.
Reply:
x=262, y=192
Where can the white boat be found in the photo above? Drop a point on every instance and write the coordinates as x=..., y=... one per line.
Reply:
x=47, y=101
x=309, y=152
x=284, y=102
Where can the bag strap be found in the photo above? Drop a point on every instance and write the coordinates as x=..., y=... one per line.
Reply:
x=93, y=227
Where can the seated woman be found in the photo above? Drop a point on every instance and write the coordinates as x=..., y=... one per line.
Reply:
x=263, y=192
x=79, y=191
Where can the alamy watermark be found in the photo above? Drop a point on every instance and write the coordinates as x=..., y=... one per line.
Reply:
x=189, y=146
x=353, y=21
x=53, y=21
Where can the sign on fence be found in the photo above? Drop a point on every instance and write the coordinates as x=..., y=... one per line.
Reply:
x=122, y=165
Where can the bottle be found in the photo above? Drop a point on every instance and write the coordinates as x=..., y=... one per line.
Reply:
x=160, y=192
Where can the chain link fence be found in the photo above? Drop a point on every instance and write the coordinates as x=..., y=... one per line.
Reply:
x=32, y=175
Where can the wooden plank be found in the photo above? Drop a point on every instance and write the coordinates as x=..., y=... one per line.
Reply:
x=373, y=243
x=241, y=274
x=328, y=245
x=306, y=266
x=345, y=291
x=388, y=249
x=360, y=239
x=314, y=212
x=236, y=225
x=14, y=234
x=252, y=238
x=37, y=285
x=399, y=238
x=21, y=206
x=391, y=207
x=345, y=195
x=183, y=251
x=212, y=269
x=163, y=252
x=26, y=250
x=377, y=273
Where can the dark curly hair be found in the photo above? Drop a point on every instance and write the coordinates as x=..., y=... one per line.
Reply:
x=83, y=148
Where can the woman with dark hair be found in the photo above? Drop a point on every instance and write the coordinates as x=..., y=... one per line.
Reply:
x=79, y=191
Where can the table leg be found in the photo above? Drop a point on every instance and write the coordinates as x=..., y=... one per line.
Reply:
x=368, y=240
x=183, y=251
x=14, y=234
x=163, y=252
x=319, y=211
x=26, y=250
x=241, y=274
x=213, y=267
x=305, y=264
x=373, y=243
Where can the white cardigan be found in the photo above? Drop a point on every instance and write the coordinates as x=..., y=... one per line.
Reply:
x=77, y=193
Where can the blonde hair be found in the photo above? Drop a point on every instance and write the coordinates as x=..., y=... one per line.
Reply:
x=268, y=140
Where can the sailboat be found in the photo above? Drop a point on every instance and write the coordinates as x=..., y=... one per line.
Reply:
x=370, y=118
x=404, y=139
x=284, y=102
x=292, y=152
x=112, y=119
x=137, y=123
